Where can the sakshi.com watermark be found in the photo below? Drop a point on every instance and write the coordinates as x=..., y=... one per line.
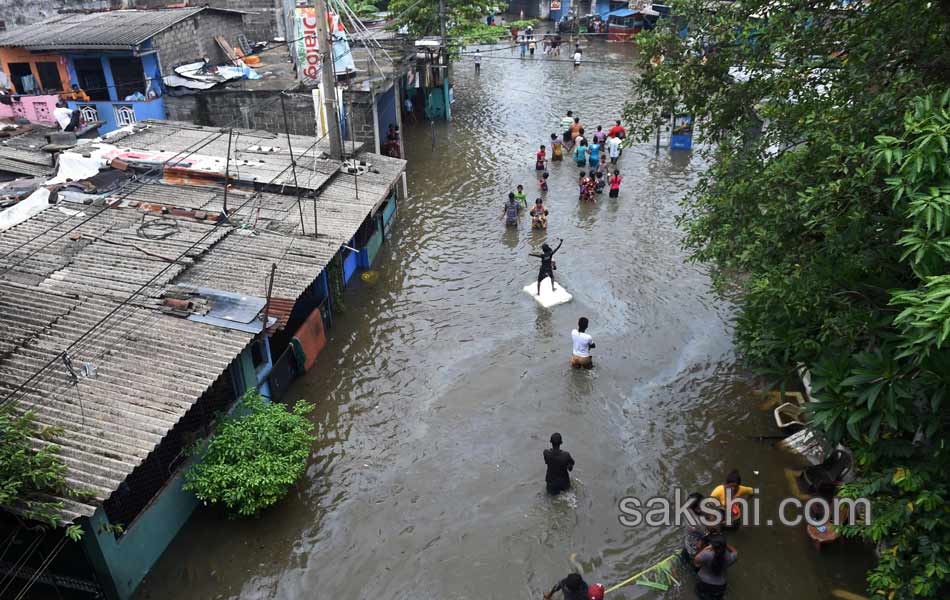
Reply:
x=790, y=512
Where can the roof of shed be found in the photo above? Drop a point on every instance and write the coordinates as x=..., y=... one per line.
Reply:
x=150, y=368
x=62, y=272
x=258, y=156
x=108, y=30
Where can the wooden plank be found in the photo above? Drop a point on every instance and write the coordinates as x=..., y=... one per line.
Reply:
x=227, y=49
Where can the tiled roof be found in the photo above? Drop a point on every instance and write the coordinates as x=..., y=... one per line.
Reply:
x=114, y=29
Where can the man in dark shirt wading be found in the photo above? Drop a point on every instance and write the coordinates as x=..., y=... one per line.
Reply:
x=560, y=464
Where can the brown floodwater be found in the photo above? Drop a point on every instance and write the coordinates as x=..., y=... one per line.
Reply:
x=442, y=382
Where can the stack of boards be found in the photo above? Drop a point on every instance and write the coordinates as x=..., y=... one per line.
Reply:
x=548, y=298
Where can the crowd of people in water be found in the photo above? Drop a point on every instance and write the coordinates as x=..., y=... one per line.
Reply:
x=704, y=550
x=598, y=156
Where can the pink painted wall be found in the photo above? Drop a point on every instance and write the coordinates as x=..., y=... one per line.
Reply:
x=36, y=109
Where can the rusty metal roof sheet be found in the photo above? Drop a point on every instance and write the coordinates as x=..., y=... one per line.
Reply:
x=258, y=157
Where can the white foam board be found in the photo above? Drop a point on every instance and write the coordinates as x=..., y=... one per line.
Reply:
x=548, y=298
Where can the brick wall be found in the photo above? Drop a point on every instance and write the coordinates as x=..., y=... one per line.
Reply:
x=246, y=110
x=16, y=13
x=262, y=110
x=260, y=20
x=361, y=120
x=193, y=39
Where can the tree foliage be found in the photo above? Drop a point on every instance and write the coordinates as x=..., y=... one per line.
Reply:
x=31, y=475
x=255, y=457
x=827, y=203
x=465, y=20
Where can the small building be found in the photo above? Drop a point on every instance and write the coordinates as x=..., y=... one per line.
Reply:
x=372, y=95
x=135, y=310
x=116, y=58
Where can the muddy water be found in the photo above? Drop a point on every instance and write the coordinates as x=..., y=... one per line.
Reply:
x=443, y=381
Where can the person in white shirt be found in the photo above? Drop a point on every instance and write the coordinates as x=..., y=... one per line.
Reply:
x=478, y=60
x=63, y=115
x=583, y=343
x=613, y=149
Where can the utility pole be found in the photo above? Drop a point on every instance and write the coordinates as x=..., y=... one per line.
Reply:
x=445, y=57
x=328, y=80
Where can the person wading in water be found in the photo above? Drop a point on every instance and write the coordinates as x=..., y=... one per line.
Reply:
x=712, y=562
x=573, y=587
x=547, y=263
x=560, y=464
x=582, y=344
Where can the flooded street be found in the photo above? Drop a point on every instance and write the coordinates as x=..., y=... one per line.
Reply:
x=442, y=382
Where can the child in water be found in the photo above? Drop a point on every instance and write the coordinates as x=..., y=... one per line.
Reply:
x=520, y=197
x=586, y=187
x=539, y=215
x=557, y=150
x=540, y=159
x=599, y=183
x=615, y=180
x=543, y=182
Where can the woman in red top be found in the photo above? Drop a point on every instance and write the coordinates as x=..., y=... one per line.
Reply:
x=618, y=131
x=615, y=180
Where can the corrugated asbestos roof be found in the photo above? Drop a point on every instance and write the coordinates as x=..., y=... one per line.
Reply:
x=61, y=273
x=21, y=151
x=115, y=29
x=257, y=156
x=149, y=369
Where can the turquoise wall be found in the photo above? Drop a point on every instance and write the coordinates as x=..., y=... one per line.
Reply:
x=128, y=559
x=389, y=211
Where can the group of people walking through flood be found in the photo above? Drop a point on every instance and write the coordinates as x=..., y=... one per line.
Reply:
x=705, y=550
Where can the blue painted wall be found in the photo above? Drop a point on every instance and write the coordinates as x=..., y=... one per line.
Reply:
x=565, y=8
x=386, y=112
x=149, y=109
x=389, y=213
x=350, y=264
x=367, y=255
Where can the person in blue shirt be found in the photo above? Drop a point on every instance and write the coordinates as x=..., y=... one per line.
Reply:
x=594, y=158
x=580, y=154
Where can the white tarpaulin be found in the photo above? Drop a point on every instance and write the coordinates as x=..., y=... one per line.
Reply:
x=74, y=166
x=202, y=76
x=34, y=204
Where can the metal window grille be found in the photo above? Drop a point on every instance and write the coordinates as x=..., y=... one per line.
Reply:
x=124, y=114
x=88, y=113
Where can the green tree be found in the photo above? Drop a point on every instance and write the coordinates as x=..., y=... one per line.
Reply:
x=31, y=474
x=465, y=20
x=255, y=457
x=826, y=202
